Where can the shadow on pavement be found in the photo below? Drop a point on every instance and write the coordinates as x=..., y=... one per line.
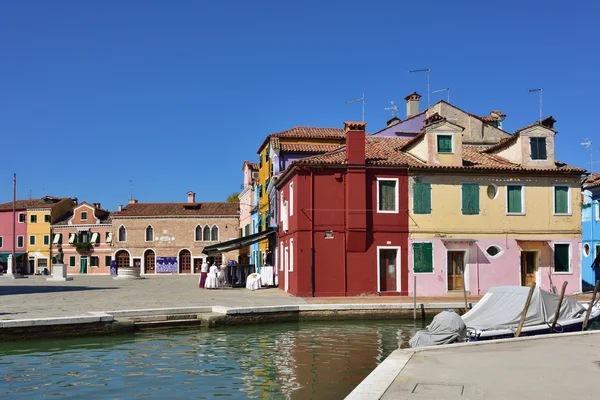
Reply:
x=8, y=290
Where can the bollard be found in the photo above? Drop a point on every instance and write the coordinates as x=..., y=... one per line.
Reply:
x=415, y=297
x=589, y=310
x=562, y=296
x=524, y=314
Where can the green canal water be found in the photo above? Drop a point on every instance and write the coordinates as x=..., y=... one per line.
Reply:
x=308, y=360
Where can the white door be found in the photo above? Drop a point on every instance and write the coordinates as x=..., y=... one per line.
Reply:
x=286, y=266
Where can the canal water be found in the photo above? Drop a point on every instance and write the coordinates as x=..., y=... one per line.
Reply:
x=308, y=360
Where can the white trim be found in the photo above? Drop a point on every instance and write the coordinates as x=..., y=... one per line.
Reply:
x=291, y=200
x=538, y=266
x=119, y=234
x=281, y=256
x=291, y=255
x=95, y=235
x=570, y=272
x=44, y=240
x=218, y=233
x=432, y=256
x=465, y=273
x=569, y=210
x=497, y=189
x=24, y=218
x=108, y=238
x=57, y=237
x=201, y=233
x=597, y=203
x=396, y=205
x=31, y=244
x=451, y=134
x=398, y=266
x=145, y=233
x=179, y=264
x=522, y=198
x=72, y=237
x=286, y=268
x=497, y=255
x=587, y=253
x=31, y=217
x=143, y=264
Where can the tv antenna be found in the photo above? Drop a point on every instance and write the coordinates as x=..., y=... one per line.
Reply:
x=393, y=108
x=130, y=190
x=363, y=100
x=428, y=70
x=443, y=90
x=539, y=90
x=587, y=143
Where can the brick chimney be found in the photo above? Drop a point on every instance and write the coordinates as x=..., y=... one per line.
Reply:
x=355, y=142
x=132, y=201
x=97, y=205
x=412, y=104
x=191, y=197
x=120, y=207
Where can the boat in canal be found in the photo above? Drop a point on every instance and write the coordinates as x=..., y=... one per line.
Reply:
x=498, y=314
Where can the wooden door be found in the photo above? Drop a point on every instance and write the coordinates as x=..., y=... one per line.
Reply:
x=185, y=262
x=456, y=268
x=149, y=262
x=122, y=258
x=528, y=267
x=388, y=270
x=197, y=265
x=83, y=265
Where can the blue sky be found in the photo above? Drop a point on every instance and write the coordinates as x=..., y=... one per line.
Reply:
x=176, y=95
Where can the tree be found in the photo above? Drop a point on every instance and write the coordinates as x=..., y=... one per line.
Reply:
x=233, y=198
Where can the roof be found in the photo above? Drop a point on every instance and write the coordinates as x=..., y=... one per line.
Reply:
x=177, y=209
x=105, y=219
x=306, y=132
x=44, y=202
x=592, y=181
x=308, y=148
x=251, y=165
x=508, y=140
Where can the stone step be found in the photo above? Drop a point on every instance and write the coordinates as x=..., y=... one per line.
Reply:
x=163, y=318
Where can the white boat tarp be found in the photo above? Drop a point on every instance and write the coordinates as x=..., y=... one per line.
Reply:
x=446, y=327
x=502, y=306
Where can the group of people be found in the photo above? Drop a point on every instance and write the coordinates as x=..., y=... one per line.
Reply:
x=211, y=276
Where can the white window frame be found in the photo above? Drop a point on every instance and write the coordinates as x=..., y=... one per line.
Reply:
x=86, y=215
x=522, y=199
x=34, y=240
x=570, y=211
x=22, y=240
x=281, y=256
x=395, y=211
x=281, y=201
x=95, y=238
x=291, y=198
x=437, y=150
x=597, y=209
x=398, y=266
x=497, y=255
x=19, y=218
x=31, y=218
x=151, y=227
x=119, y=235
x=570, y=272
x=466, y=273
x=530, y=153
x=285, y=224
x=412, y=250
x=587, y=253
x=72, y=238
x=291, y=264
x=44, y=239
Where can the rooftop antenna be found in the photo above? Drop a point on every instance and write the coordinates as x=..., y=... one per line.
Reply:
x=428, y=70
x=130, y=190
x=443, y=90
x=29, y=194
x=393, y=108
x=540, y=96
x=363, y=100
x=587, y=143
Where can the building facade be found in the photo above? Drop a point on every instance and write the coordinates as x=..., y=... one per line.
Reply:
x=6, y=235
x=169, y=237
x=247, y=203
x=85, y=238
x=590, y=230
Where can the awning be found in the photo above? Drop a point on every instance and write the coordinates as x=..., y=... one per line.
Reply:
x=94, y=237
x=57, y=237
x=71, y=238
x=456, y=241
x=109, y=237
x=4, y=256
x=237, y=243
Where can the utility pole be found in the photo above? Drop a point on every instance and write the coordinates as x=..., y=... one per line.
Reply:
x=428, y=70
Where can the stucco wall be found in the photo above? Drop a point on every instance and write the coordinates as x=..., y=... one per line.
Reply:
x=6, y=229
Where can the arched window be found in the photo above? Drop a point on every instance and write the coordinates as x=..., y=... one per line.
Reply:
x=198, y=234
x=149, y=234
x=206, y=234
x=214, y=233
x=122, y=234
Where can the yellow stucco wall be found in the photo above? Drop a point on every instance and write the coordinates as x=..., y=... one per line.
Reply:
x=264, y=173
x=538, y=220
x=38, y=230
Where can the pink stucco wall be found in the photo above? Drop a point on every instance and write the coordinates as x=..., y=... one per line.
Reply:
x=484, y=272
x=6, y=226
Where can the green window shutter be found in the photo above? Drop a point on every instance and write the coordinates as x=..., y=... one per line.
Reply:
x=46, y=239
x=422, y=257
x=444, y=143
x=538, y=148
x=247, y=230
x=72, y=261
x=561, y=199
x=470, y=198
x=514, y=199
x=107, y=261
x=561, y=258
x=31, y=240
x=20, y=241
x=422, y=198
x=387, y=195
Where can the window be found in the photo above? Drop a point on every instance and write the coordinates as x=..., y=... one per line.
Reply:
x=198, y=233
x=597, y=210
x=108, y=237
x=1, y=242
x=214, y=234
x=46, y=240
x=149, y=234
x=291, y=255
x=387, y=195
x=538, y=148
x=492, y=191
x=94, y=261
x=83, y=237
x=422, y=198
x=247, y=230
x=57, y=238
x=95, y=238
x=470, y=199
x=281, y=200
x=328, y=234
x=71, y=261
x=561, y=258
x=493, y=251
x=21, y=218
x=33, y=219
x=122, y=234
x=107, y=261
x=281, y=256
x=20, y=241
x=514, y=199
x=586, y=250
x=83, y=216
x=444, y=143
x=561, y=200
x=206, y=234
x=32, y=240
x=597, y=250
x=47, y=218
x=291, y=198
x=422, y=257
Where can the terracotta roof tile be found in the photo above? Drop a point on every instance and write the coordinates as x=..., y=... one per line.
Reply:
x=308, y=148
x=177, y=209
x=46, y=202
x=307, y=132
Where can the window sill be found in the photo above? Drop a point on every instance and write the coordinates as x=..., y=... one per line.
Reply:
x=445, y=152
x=563, y=215
x=423, y=273
x=386, y=212
x=517, y=214
x=562, y=273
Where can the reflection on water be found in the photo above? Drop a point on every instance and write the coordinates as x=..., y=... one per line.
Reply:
x=309, y=360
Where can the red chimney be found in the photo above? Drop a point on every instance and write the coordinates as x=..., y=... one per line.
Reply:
x=355, y=142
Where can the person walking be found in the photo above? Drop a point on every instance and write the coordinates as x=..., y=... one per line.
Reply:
x=203, y=274
x=212, y=280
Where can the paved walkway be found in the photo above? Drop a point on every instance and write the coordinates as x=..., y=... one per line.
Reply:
x=544, y=367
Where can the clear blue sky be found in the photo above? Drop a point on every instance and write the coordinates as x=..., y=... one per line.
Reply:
x=175, y=95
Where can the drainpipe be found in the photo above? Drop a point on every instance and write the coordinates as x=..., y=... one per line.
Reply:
x=312, y=236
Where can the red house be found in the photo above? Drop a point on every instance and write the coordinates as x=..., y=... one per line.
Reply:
x=343, y=227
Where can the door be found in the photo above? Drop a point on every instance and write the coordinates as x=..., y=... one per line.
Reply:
x=528, y=267
x=286, y=267
x=197, y=265
x=83, y=265
x=388, y=270
x=456, y=270
x=149, y=262
x=185, y=262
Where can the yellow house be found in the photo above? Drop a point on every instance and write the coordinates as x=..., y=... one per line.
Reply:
x=40, y=215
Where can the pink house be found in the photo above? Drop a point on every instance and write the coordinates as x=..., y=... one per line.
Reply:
x=6, y=233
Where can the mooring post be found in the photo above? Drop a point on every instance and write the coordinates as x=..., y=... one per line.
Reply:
x=589, y=310
x=525, y=310
x=415, y=297
x=465, y=294
x=562, y=296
